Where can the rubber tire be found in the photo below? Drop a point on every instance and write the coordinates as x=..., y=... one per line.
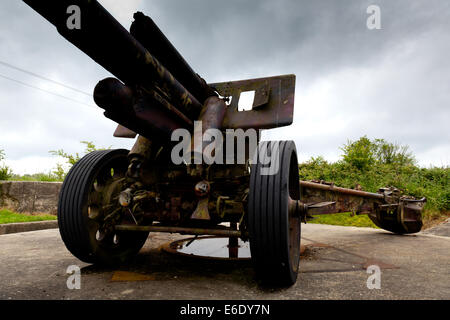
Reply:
x=74, y=222
x=268, y=218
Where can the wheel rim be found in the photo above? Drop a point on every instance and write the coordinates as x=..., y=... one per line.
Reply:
x=105, y=185
x=293, y=216
x=88, y=196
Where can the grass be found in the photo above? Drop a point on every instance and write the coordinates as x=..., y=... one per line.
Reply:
x=430, y=219
x=344, y=219
x=42, y=177
x=7, y=216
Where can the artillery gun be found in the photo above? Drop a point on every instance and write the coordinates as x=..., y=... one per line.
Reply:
x=111, y=199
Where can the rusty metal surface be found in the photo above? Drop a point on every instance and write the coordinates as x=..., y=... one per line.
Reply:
x=388, y=209
x=182, y=230
x=153, y=39
x=157, y=99
x=333, y=188
x=211, y=117
x=142, y=149
x=316, y=195
x=326, y=207
x=405, y=217
x=144, y=112
x=123, y=132
x=273, y=104
x=212, y=114
x=201, y=212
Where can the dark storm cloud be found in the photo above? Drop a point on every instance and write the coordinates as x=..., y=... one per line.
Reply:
x=316, y=37
x=351, y=81
x=390, y=83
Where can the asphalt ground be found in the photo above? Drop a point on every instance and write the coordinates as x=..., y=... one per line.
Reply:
x=33, y=265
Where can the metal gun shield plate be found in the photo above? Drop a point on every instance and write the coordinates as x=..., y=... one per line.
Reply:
x=273, y=105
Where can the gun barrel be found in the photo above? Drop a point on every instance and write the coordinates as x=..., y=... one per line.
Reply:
x=106, y=41
x=153, y=39
x=150, y=115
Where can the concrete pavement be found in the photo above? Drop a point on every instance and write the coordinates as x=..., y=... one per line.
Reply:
x=33, y=265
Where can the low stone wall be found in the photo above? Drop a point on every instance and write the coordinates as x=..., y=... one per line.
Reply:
x=30, y=197
x=8, y=228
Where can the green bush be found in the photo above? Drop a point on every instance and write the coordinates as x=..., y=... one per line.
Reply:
x=359, y=154
x=363, y=153
x=58, y=174
x=375, y=164
x=71, y=159
x=5, y=171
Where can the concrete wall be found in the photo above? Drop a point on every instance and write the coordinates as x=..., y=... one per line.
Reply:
x=30, y=197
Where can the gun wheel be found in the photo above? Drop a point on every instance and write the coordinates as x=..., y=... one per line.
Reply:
x=88, y=209
x=274, y=228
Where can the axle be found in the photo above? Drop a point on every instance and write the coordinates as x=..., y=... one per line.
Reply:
x=224, y=232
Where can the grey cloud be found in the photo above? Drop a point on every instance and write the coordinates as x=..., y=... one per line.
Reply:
x=390, y=83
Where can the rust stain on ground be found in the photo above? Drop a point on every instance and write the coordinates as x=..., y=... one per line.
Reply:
x=381, y=264
x=302, y=249
x=120, y=276
x=319, y=245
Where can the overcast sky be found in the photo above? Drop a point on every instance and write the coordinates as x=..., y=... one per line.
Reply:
x=391, y=83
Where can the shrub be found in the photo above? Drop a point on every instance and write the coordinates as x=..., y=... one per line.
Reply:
x=360, y=153
x=363, y=153
x=5, y=171
x=71, y=159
